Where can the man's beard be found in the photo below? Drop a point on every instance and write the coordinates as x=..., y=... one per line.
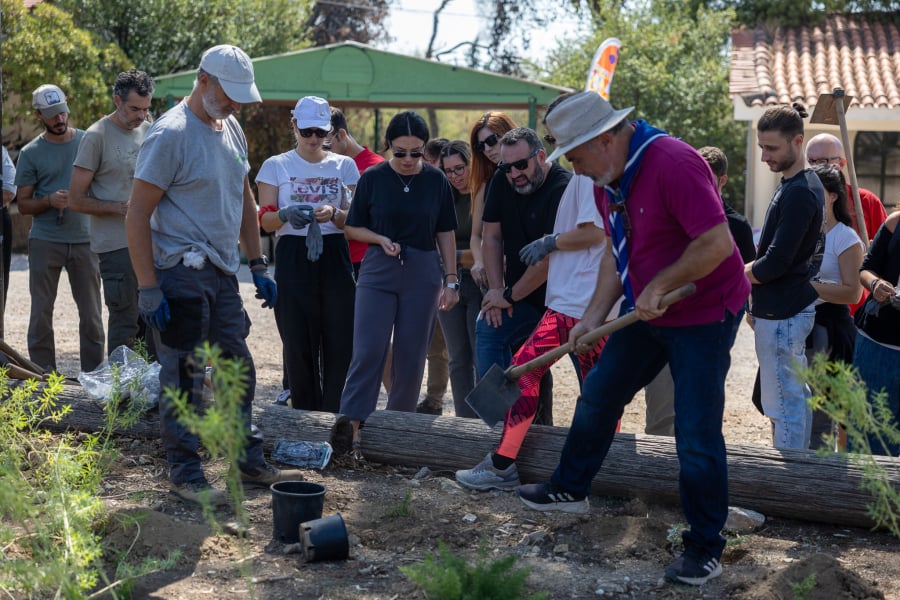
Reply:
x=212, y=107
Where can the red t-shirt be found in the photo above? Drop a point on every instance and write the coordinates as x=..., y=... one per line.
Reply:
x=874, y=215
x=363, y=160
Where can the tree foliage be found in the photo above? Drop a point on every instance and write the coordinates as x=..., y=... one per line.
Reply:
x=41, y=47
x=167, y=36
x=673, y=69
x=792, y=12
x=331, y=23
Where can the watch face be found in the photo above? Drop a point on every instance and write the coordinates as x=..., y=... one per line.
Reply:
x=453, y=286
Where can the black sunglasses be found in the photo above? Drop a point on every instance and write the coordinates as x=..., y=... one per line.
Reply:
x=313, y=131
x=490, y=141
x=520, y=164
x=550, y=139
x=404, y=154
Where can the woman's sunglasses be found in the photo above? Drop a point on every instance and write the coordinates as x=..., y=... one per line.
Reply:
x=404, y=154
x=490, y=141
x=313, y=131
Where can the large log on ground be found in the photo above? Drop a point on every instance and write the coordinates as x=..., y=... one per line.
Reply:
x=782, y=483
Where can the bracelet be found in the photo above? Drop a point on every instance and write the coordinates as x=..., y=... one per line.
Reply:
x=873, y=284
x=334, y=214
x=446, y=275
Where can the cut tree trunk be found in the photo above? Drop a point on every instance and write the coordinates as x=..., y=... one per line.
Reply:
x=781, y=483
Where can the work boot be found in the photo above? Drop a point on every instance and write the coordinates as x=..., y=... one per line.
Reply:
x=266, y=475
x=198, y=492
x=430, y=406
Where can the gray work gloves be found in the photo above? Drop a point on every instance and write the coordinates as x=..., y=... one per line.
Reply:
x=314, y=241
x=533, y=253
x=153, y=306
x=298, y=216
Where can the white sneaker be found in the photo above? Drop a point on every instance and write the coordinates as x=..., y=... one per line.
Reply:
x=485, y=476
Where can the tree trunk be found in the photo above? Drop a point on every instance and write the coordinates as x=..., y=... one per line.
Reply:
x=782, y=483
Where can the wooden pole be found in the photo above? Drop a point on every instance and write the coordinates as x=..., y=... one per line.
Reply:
x=793, y=484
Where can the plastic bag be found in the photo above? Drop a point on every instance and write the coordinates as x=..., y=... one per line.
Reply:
x=136, y=379
x=309, y=455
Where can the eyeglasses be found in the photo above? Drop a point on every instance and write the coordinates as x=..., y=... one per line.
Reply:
x=490, y=141
x=404, y=153
x=457, y=170
x=520, y=164
x=820, y=162
x=550, y=139
x=313, y=131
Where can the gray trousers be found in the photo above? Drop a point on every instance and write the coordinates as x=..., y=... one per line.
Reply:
x=120, y=292
x=46, y=262
x=398, y=296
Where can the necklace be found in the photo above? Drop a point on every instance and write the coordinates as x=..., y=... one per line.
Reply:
x=406, y=184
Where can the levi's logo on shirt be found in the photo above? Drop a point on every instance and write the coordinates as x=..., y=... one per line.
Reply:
x=316, y=190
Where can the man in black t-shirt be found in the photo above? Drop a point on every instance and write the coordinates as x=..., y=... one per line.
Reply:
x=519, y=207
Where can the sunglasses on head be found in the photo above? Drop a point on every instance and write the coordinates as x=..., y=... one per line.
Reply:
x=550, y=139
x=520, y=164
x=313, y=131
x=404, y=153
x=490, y=141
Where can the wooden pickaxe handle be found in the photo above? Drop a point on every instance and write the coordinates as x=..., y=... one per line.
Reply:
x=513, y=373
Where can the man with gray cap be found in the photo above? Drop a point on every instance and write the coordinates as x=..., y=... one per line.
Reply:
x=59, y=238
x=190, y=205
x=658, y=199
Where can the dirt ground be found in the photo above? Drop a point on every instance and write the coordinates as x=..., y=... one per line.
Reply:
x=395, y=516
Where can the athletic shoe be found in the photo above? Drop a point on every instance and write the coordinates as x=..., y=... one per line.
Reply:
x=547, y=497
x=693, y=570
x=430, y=407
x=266, y=475
x=485, y=476
x=283, y=398
x=198, y=492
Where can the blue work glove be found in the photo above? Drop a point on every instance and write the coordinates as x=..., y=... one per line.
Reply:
x=153, y=307
x=314, y=242
x=298, y=216
x=266, y=290
x=533, y=253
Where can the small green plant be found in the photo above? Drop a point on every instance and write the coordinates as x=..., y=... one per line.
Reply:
x=451, y=577
x=839, y=393
x=404, y=508
x=802, y=589
x=673, y=535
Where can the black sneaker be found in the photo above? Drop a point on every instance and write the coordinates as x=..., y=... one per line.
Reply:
x=546, y=497
x=266, y=475
x=693, y=570
x=198, y=492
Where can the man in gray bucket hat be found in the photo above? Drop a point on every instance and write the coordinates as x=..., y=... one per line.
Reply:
x=660, y=205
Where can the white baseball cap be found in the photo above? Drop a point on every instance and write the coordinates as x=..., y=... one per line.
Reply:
x=50, y=100
x=312, y=111
x=234, y=70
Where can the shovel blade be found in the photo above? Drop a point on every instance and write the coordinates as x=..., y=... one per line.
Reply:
x=493, y=396
x=825, y=111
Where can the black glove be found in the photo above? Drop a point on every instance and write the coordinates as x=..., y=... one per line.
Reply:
x=314, y=242
x=533, y=253
x=153, y=307
x=298, y=216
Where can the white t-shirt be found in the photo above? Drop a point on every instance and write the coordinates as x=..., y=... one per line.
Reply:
x=839, y=239
x=573, y=275
x=310, y=184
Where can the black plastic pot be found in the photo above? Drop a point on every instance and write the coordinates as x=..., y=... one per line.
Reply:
x=294, y=502
x=325, y=539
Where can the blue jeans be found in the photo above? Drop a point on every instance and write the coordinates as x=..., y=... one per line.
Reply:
x=781, y=351
x=458, y=325
x=493, y=345
x=699, y=357
x=879, y=368
x=205, y=305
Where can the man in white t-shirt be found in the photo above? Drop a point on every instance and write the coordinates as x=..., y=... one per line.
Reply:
x=101, y=185
x=574, y=250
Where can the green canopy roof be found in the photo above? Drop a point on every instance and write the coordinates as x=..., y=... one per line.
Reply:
x=355, y=75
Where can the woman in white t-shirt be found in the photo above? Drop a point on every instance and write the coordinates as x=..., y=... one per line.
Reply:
x=304, y=195
x=838, y=285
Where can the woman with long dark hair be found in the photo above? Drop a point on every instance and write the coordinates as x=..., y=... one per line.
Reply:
x=403, y=209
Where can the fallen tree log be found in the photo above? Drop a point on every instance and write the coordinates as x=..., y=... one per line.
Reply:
x=781, y=483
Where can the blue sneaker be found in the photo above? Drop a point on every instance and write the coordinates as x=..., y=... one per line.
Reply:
x=547, y=497
x=283, y=397
x=692, y=569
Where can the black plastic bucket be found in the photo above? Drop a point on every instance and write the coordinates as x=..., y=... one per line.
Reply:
x=294, y=502
x=325, y=539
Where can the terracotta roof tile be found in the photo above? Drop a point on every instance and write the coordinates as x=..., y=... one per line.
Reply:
x=796, y=64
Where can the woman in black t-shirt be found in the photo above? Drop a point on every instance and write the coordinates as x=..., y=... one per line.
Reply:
x=403, y=209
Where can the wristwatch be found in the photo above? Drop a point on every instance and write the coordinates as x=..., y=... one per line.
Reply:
x=452, y=286
x=262, y=260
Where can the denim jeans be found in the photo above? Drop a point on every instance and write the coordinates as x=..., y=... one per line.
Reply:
x=458, y=325
x=699, y=357
x=879, y=368
x=493, y=345
x=781, y=351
